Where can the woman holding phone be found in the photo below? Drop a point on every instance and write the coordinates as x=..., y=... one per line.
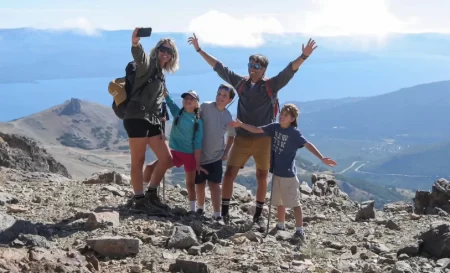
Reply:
x=142, y=121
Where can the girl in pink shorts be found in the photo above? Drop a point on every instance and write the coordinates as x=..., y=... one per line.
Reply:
x=185, y=140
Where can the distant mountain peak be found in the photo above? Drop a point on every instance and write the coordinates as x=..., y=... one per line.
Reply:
x=72, y=107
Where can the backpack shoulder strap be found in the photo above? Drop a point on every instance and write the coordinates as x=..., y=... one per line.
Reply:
x=275, y=102
x=268, y=87
x=241, y=84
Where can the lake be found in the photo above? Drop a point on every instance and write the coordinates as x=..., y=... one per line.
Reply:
x=318, y=81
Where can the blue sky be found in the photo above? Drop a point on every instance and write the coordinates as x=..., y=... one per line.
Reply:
x=235, y=22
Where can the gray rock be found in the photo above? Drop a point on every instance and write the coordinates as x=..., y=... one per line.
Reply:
x=114, y=246
x=186, y=266
x=183, y=237
x=6, y=198
x=402, y=267
x=436, y=241
x=366, y=212
x=102, y=219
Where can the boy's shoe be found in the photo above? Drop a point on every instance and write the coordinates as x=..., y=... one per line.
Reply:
x=300, y=236
x=153, y=199
x=219, y=220
x=200, y=212
x=260, y=224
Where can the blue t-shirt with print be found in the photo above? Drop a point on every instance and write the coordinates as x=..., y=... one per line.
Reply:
x=285, y=143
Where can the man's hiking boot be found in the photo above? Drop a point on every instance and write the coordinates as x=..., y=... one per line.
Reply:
x=153, y=198
x=260, y=224
x=226, y=219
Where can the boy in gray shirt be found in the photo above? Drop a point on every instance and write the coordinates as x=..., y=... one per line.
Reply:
x=215, y=117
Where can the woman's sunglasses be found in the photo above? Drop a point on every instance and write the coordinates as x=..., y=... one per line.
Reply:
x=165, y=49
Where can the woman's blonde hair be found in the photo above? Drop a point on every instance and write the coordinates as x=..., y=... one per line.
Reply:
x=173, y=65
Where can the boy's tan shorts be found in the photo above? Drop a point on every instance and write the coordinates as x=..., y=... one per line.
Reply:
x=286, y=192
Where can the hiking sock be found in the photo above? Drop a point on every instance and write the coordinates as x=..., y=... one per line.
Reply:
x=200, y=207
x=217, y=214
x=259, y=208
x=138, y=196
x=193, y=203
x=299, y=229
x=225, y=206
x=151, y=189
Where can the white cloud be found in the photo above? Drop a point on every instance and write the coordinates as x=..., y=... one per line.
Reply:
x=81, y=25
x=222, y=29
x=370, y=18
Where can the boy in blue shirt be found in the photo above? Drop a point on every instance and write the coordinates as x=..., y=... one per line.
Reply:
x=286, y=140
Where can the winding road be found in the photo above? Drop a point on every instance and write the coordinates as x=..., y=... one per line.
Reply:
x=383, y=174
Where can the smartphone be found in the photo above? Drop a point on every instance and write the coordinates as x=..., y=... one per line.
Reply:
x=144, y=32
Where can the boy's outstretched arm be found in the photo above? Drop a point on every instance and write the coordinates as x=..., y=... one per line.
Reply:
x=327, y=161
x=248, y=127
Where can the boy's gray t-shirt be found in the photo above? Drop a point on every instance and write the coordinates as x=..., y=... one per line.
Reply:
x=215, y=125
x=285, y=143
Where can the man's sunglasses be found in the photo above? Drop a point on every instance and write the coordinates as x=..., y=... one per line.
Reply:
x=255, y=66
x=165, y=49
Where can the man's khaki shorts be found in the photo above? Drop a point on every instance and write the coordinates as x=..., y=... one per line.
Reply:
x=286, y=192
x=244, y=147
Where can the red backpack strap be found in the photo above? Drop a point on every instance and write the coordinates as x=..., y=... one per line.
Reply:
x=275, y=103
x=241, y=84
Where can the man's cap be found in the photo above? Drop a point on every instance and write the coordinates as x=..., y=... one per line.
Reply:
x=191, y=93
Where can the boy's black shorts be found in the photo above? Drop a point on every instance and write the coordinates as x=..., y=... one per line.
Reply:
x=215, y=171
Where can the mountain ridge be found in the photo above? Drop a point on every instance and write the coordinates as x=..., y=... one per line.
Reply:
x=413, y=113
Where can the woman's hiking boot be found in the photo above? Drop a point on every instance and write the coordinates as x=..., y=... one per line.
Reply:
x=142, y=205
x=152, y=196
x=139, y=205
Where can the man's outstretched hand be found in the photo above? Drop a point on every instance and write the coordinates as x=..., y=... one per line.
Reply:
x=309, y=48
x=328, y=161
x=194, y=41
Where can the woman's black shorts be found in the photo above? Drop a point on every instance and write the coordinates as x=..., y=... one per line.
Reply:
x=141, y=128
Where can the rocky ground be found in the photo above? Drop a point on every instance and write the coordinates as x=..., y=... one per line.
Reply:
x=51, y=223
